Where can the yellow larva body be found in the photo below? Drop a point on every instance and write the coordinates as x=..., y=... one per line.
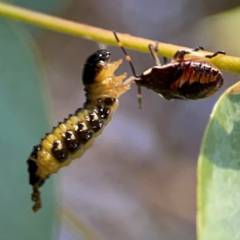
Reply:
x=71, y=138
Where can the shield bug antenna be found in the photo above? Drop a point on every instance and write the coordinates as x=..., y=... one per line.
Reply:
x=75, y=134
x=135, y=76
x=193, y=78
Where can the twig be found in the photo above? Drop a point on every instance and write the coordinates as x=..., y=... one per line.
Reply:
x=226, y=63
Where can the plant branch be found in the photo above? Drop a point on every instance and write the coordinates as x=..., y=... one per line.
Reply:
x=226, y=63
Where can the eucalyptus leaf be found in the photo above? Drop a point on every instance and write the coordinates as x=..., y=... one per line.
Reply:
x=219, y=171
x=23, y=121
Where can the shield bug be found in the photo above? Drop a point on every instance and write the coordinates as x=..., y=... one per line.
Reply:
x=191, y=78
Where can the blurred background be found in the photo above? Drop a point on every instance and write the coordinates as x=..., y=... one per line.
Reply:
x=138, y=180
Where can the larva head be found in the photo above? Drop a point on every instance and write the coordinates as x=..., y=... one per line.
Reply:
x=94, y=64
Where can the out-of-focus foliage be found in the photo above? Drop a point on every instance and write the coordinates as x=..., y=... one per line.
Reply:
x=224, y=27
x=219, y=171
x=23, y=121
x=43, y=6
x=218, y=194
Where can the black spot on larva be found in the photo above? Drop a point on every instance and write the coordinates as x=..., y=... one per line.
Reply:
x=32, y=169
x=96, y=125
x=103, y=111
x=71, y=142
x=82, y=133
x=90, y=117
x=109, y=101
x=94, y=65
x=59, y=151
x=81, y=126
x=35, y=151
x=86, y=135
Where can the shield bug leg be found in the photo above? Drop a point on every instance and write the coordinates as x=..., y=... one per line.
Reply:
x=215, y=54
x=128, y=58
x=135, y=76
x=164, y=60
x=198, y=48
x=129, y=80
x=139, y=97
x=153, y=50
x=180, y=54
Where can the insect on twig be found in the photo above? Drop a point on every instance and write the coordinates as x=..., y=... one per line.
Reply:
x=192, y=78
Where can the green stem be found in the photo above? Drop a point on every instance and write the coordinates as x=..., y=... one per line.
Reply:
x=226, y=63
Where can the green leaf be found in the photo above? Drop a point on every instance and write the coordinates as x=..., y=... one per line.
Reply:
x=22, y=123
x=219, y=171
x=218, y=29
x=45, y=6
